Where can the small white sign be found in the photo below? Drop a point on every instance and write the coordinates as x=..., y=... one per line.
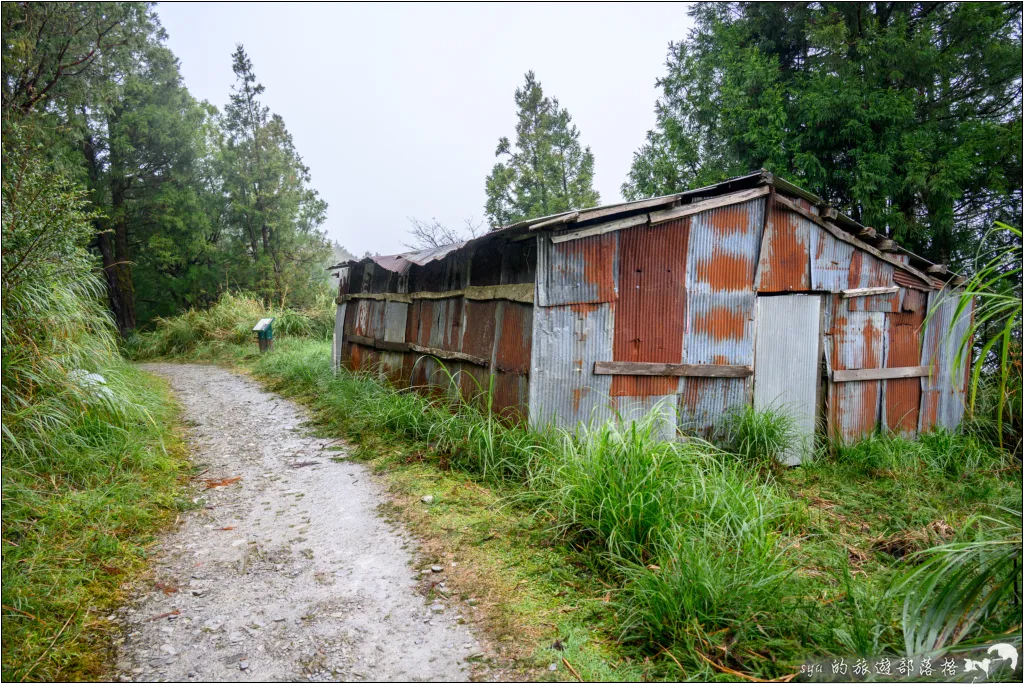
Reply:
x=263, y=324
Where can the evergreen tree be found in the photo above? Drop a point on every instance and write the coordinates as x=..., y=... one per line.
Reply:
x=141, y=145
x=271, y=208
x=548, y=171
x=905, y=115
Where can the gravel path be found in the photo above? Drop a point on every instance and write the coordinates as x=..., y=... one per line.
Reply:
x=287, y=573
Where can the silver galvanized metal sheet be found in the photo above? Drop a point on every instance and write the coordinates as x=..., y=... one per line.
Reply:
x=567, y=340
x=339, y=334
x=395, y=315
x=705, y=402
x=662, y=410
x=944, y=391
x=787, y=360
x=830, y=262
x=391, y=363
x=577, y=272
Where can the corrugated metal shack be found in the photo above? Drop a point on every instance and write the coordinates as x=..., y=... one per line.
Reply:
x=749, y=291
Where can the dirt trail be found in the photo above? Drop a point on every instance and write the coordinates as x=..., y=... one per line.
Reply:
x=287, y=573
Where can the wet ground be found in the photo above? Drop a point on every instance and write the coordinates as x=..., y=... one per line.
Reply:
x=286, y=572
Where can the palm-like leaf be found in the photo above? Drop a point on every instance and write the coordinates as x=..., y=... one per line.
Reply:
x=961, y=589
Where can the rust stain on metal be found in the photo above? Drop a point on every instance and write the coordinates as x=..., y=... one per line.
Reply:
x=785, y=261
x=580, y=271
x=577, y=396
x=651, y=315
x=903, y=396
x=868, y=271
x=729, y=220
x=721, y=323
x=478, y=338
x=904, y=279
x=856, y=340
x=510, y=396
x=516, y=340
x=598, y=256
x=426, y=322
x=914, y=300
x=728, y=272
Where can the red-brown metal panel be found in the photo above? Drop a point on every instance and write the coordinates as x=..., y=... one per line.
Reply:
x=904, y=279
x=478, y=338
x=511, y=395
x=785, y=263
x=913, y=300
x=903, y=397
x=516, y=340
x=651, y=313
x=474, y=383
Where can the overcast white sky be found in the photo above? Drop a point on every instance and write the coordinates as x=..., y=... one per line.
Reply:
x=397, y=109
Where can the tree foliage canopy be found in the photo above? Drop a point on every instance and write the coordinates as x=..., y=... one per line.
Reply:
x=905, y=115
x=548, y=170
x=188, y=203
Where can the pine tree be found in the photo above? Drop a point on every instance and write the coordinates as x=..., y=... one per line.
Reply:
x=548, y=171
x=907, y=116
x=272, y=208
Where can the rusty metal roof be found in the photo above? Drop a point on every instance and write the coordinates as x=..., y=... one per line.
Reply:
x=568, y=220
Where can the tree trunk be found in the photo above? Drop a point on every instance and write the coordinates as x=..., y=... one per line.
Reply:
x=117, y=267
x=112, y=240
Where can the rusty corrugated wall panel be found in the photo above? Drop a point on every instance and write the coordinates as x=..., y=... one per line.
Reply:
x=785, y=261
x=515, y=342
x=903, y=348
x=511, y=396
x=867, y=270
x=474, y=383
x=396, y=316
x=478, y=336
x=830, y=262
x=445, y=329
x=944, y=391
x=630, y=409
x=913, y=300
x=853, y=340
x=567, y=340
x=904, y=279
x=578, y=271
x=721, y=262
x=651, y=311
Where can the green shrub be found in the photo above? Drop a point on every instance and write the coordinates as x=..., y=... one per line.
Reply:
x=230, y=321
x=760, y=437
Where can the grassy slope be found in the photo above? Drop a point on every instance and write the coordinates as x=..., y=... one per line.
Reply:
x=77, y=520
x=832, y=542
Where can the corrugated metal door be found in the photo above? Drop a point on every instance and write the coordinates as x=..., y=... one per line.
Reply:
x=787, y=356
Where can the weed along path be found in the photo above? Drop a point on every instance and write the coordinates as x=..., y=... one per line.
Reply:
x=287, y=572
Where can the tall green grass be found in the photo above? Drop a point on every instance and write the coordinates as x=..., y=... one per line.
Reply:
x=79, y=508
x=230, y=322
x=90, y=463
x=713, y=559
